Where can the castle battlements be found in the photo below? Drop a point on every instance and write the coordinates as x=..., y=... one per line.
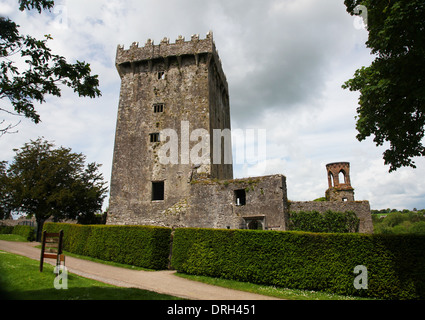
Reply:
x=166, y=50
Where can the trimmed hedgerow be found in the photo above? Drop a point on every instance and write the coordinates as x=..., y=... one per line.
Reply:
x=25, y=231
x=308, y=261
x=6, y=229
x=143, y=246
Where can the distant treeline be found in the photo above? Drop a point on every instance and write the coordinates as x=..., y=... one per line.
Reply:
x=399, y=222
x=388, y=210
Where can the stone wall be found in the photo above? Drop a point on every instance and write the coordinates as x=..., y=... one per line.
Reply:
x=214, y=204
x=361, y=208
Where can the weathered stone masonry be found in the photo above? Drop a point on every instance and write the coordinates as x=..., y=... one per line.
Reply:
x=170, y=85
x=161, y=86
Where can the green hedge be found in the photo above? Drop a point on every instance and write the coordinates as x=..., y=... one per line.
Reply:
x=142, y=246
x=6, y=229
x=309, y=261
x=25, y=231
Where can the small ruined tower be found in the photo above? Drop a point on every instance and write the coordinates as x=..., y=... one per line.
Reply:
x=168, y=90
x=340, y=188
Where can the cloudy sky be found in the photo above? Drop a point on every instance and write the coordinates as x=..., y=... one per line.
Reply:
x=285, y=62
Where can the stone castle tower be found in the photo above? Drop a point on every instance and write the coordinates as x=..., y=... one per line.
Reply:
x=340, y=188
x=179, y=86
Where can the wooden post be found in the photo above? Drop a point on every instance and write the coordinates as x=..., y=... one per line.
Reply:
x=54, y=252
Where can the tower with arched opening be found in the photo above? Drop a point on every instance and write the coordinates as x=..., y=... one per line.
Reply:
x=340, y=188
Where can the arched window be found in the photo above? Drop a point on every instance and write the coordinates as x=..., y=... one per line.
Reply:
x=341, y=177
x=331, y=180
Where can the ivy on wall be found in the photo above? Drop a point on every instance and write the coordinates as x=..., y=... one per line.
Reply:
x=329, y=221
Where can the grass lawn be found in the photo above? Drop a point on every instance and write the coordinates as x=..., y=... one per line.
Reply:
x=12, y=237
x=281, y=293
x=20, y=279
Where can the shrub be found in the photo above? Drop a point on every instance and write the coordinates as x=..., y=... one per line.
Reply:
x=308, y=261
x=406, y=222
x=6, y=229
x=418, y=228
x=142, y=246
x=25, y=231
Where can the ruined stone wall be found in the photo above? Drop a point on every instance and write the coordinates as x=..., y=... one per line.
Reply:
x=361, y=208
x=213, y=204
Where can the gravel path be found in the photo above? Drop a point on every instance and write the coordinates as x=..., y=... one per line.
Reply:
x=159, y=281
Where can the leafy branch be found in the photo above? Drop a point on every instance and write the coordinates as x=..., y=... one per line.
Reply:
x=43, y=74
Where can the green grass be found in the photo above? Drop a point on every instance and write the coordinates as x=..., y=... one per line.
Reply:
x=291, y=294
x=109, y=263
x=272, y=291
x=20, y=279
x=12, y=237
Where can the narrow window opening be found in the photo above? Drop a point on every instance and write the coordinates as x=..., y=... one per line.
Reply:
x=344, y=199
x=341, y=177
x=240, y=197
x=157, y=190
x=158, y=107
x=161, y=75
x=154, y=137
x=331, y=180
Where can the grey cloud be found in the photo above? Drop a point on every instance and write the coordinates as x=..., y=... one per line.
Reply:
x=287, y=53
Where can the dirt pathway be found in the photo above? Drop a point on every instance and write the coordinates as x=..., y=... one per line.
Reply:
x=159, y=281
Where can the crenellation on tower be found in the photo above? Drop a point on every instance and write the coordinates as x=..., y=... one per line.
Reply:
x=165, y=50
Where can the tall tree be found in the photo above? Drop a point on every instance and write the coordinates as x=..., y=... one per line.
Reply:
x=392, y=88
x=54, y=182
x=44, y=72
x=4, y=192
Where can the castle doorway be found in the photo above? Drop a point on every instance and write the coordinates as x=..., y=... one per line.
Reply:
x=255, y=223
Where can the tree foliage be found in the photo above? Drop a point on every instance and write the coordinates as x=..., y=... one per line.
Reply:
x=400, y=222
x=45, y=182
x=4, y=194
x=392, y=88
x=44, y=72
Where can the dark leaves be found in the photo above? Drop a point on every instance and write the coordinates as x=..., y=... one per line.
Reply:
x=54, y=182
x=44, y=72
x=39, y=5
x=392, y=88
